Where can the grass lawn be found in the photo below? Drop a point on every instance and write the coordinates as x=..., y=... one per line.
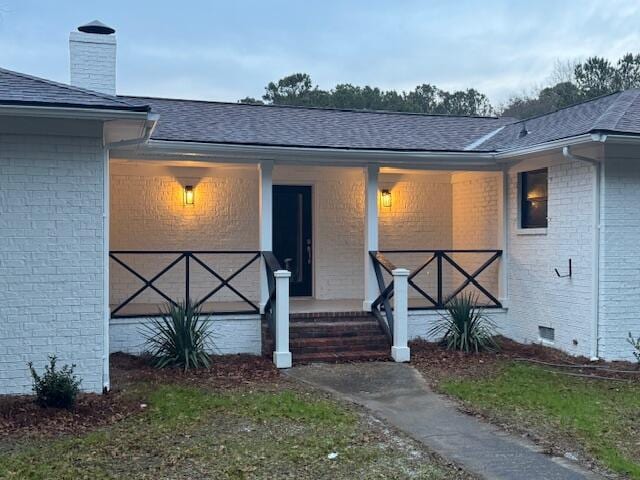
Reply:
x=195, y=430
x=601, y=416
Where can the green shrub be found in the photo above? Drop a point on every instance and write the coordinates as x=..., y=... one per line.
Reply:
x=635, y=343
x=55, y=388
x=179, y=337
x=465, y=327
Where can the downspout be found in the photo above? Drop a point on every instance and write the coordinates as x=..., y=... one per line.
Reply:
x=597, y=168
x=150, y=124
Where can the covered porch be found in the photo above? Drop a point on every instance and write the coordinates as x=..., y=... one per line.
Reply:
x=214, y=232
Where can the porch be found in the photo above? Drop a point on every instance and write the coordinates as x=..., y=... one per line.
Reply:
x=444, y=227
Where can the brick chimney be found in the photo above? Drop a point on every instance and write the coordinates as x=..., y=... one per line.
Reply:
x=92, y=52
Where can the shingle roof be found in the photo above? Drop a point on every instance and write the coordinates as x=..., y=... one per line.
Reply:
x=232, y=123
x=20, y=89
x=618, y=112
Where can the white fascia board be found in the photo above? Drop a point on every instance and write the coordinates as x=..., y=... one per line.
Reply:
x=70, y=112
x=235, y=153
x=123, y=133
x=507, y=155
x=613, y=138
x=325, y=156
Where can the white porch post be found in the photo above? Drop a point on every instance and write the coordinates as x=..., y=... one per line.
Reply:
x=503, y=235
x=282, y=355
x=265, y=212
x=370, y=234
x=400, y=349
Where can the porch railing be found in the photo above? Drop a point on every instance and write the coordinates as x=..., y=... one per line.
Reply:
x=186, y=258
x=381, y=306
x=441, y=258
x=271, y=266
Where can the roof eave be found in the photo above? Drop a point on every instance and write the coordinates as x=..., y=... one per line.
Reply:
x=241, y=153
x=76, y=112
x=506, y=155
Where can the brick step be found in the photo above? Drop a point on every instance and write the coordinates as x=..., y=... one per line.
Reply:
x=354, y=318
x=329, y=315
x=375, y=339
x=322, y=330
x=338, y=349
x=340, y=344
x=357, y=356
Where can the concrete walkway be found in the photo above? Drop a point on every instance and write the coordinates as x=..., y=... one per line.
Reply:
x=398, y=393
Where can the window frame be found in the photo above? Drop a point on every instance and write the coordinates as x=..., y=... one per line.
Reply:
x=523, y=202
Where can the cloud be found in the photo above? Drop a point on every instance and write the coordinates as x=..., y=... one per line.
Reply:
x=228, y=50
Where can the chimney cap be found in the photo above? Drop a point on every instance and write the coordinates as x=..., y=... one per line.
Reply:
x=96, y=27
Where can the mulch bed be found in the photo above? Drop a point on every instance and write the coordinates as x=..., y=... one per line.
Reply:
x=226, y=371
x=21, y=417
x=437, y=363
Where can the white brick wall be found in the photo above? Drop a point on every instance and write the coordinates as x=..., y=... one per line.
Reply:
x=51, y=264
x=620, y=253
x=93, y=61
x=230, y=334
x=420, y=217
x=537, y=297
x=420, y=322
x=476, y=218
x=147, y=213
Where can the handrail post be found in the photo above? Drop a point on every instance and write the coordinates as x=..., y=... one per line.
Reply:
x=282, y=355
x=400, y=350
x=186, y=279
x=439, y=286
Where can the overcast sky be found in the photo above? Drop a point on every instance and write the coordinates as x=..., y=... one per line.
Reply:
x=226, y=50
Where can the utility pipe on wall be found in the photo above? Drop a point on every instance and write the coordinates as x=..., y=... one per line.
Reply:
x=597, y=169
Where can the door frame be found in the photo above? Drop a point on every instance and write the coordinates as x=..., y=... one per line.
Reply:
x=314, y=219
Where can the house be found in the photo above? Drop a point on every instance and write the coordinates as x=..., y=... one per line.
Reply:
x=299, y=217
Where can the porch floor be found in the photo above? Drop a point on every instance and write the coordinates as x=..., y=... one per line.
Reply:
x=296, y=305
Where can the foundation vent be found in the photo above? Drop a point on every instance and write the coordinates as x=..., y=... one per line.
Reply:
x=546, y=334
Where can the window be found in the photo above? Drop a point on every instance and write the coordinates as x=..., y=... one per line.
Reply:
x=533, y=202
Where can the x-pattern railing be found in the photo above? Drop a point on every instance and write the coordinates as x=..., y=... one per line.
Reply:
x=186, y=256
x=381, y=306
x=439, y=300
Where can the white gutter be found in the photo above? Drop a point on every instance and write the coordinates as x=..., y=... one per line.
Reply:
x=71, y=112
x=145, y=134
x=324, y=156
x=595, y=268
x=506, y=155
x=106, y=382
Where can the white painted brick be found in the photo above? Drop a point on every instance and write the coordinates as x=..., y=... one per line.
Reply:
x=537, y=297
x=620, y=253
x=93, y=62
x=230, y=334
x=51, y=292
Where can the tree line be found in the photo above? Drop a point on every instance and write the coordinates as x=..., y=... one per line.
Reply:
x=570, y=83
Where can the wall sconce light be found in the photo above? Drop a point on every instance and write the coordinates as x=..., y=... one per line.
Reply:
x=386, y=198
x=188, y=195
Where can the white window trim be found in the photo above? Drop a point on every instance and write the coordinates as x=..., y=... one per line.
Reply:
x=531, y=231
x=535, y=230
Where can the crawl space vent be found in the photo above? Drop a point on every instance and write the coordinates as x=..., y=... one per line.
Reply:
x=547, y=333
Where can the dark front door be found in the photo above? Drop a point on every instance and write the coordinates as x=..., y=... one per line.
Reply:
x=292, y=235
